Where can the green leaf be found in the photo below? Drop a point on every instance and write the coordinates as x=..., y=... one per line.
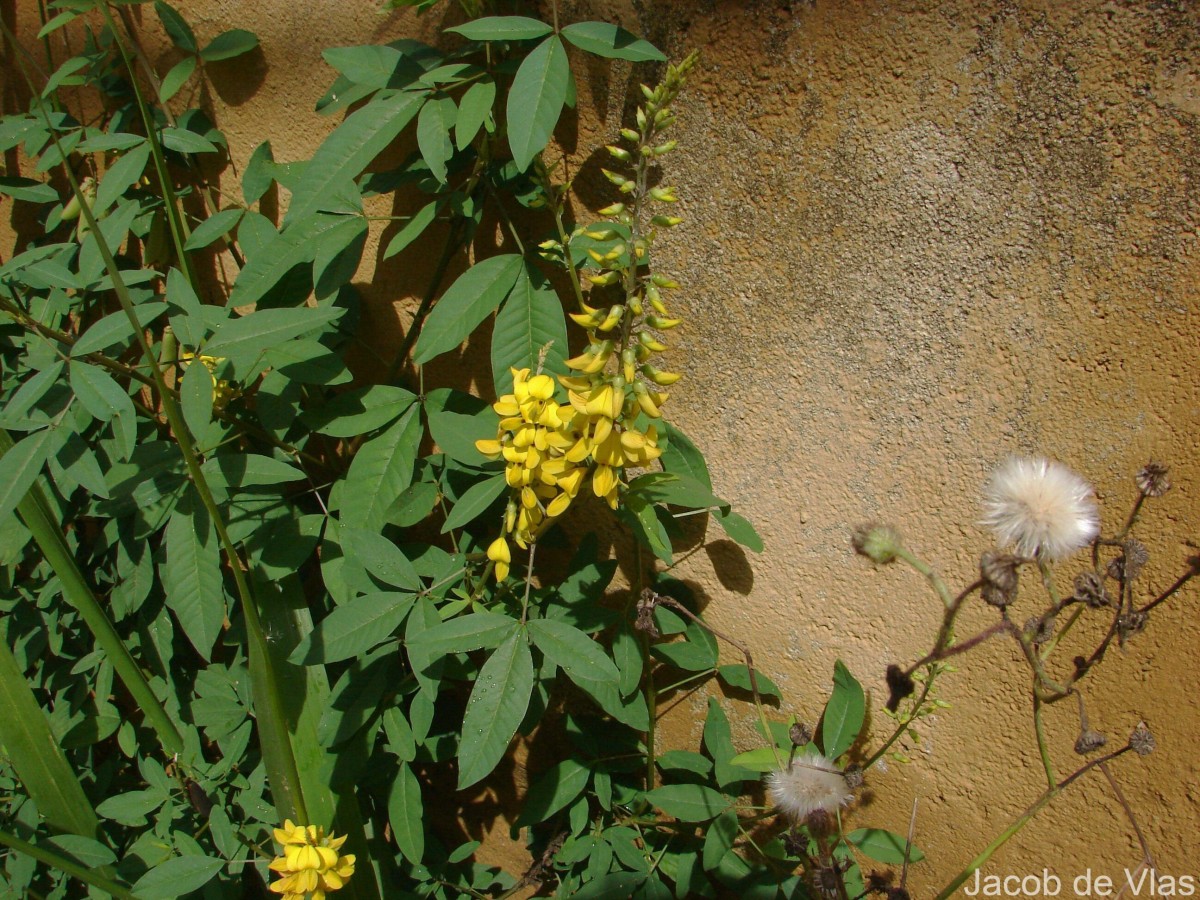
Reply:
x=309, y=362
x=497, y=705
x=350, y=148
x=229, y=44
x=131, y=807
x=90, y=852
x=218, y=225
x=884, y=846
x=192, y=575
x=31, y=750
x=353, y=628
x=282, y=252
x=372, y=65
x=359, y=411
x=682, y=457
x=196, y=397
x=473, y=296
x=697, y=653
x=677, y=490
x=738, y=676
x=406, y=814
x=760, y=759
x=259, y=173
x=719, y=744
x=183, y=141
x=27, y=189
x=844, y=713
x=121, y=175
x=558, y=786
x=414, y=228
x=19, y=468
x=610, y=887
x=530, y=321
x=177, y=876
x=99, y=394
x=457, y=421
x=475, y=501
x=177, y=28
x=502, y=28
x=238, y=470
x=536, y=99
x=380, y=557
x=647, y=526
x=688, y=802
x=338, y=253
x=176, y=78
x=686, y=761
x=474, y=107
x=573, y=651
x=434, y=125
x=381, y=470
x=263, y=328
x=474, y=631
x=739, y=529
x=611, y=41
x=115, y=329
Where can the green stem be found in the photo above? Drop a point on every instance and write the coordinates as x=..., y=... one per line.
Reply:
x=1020, y=822
x=35, y=511
x=931, y=576
x=84, y=874
x=170, y=200
x=903, y=726
x=270, y=714
x=1039, y=727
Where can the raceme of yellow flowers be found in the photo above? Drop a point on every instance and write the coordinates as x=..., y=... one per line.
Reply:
x=310, y=865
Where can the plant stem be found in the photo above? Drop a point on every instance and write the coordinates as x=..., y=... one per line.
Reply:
x=84, y=874
x=1043, y=748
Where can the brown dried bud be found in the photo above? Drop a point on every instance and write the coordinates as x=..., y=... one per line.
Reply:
x=828, y=881
x=1142, y=741
x=878, y=543
x=1136, y=557
x=998, y=571
x=800, y=734
x=645, y=614
x=819, y=822
x=900, y=685
x=1129, y=624
x=1152, y=479
x=1040, y=630
x=854, y=777
x=1089, y=589
x=794, y=844
x=1089, y=741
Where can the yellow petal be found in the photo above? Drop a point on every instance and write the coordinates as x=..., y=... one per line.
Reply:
x=604, y=480
x=501, y=571
x=498, y=551
x=488, y=448
x=558, y=505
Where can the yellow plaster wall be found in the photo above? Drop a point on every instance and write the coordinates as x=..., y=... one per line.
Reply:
x=919, y=236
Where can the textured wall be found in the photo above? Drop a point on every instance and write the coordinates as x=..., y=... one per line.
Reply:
x=919, y=236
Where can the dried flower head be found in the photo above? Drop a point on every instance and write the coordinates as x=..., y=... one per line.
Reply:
x=311, y=865
x=1129, y=564
x=1040, y=630
x=1089, y=589
x=1141, y=740
x=1129, y=624
x=1152, y=479
x=998, y=572
x=808, y=784
x=1041, y=508
x=1089, y=741
x=800, y=734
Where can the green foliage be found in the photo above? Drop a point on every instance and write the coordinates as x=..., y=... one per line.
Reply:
x=245, y=585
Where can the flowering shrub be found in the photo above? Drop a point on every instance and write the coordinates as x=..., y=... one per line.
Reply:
x=245, y=589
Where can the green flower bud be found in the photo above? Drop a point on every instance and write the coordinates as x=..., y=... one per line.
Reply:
x=878, y=543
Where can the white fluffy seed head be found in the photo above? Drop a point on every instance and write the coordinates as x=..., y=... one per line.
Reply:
x=811, y=783
x=1041, y=508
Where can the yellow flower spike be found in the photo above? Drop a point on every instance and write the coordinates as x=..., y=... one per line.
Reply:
x=541, y=387
x=604, y=480
x=660, y=377
x=600, y=402
x=311, y=865
x=604, y=279
x=628, y=366
x=558, y=505
x=650, y=342
x=662, y=323
x=488, y=447
x=613, y=319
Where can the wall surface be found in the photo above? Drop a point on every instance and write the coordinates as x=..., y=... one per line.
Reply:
x=919, y=236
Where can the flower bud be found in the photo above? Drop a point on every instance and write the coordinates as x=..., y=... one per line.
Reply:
x=618, y=153
x=878, y=543
x=601, y=234
x=613, y=318
x=629, y=134
x=617, y=179
x=664, y=194
x=614, y=210
x=605, y=278
x=665, y=221
x=663, y=149
x=661, y=323
x=664, y=282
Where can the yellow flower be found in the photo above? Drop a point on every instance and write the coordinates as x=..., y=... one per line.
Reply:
x=499, y=553
x=311, y=865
